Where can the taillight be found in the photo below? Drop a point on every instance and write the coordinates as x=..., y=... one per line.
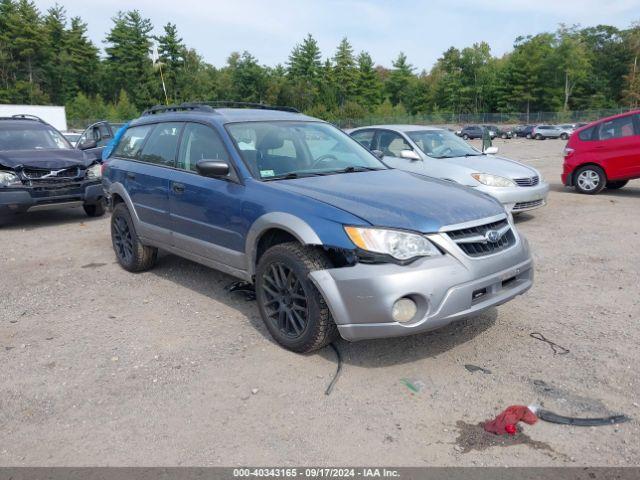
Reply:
x=567, y=151
x=103, y=167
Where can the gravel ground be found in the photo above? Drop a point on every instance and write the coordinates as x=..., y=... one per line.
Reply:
x=103, y=367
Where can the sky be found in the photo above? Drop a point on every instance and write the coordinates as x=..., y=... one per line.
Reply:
x=421, y=29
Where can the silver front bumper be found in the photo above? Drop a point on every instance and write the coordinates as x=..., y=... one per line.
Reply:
x=527, y=198
x=361, y=297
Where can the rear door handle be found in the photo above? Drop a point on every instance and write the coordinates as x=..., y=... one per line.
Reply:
x=178, y=187
x=131, y=176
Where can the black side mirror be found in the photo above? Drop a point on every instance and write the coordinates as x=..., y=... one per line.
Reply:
x=87, y=144
x=212, y=168
x=378, y=153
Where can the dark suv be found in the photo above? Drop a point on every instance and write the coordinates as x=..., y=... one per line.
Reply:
x=475, y=131
x=40, y=170
x=333, y=239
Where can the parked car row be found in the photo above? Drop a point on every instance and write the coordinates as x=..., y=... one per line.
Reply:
x=543, y=132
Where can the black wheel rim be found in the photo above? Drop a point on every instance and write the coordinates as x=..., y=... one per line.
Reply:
x=284, y=300
x=122, y=240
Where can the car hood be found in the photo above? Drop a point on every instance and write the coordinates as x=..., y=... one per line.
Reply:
x=494, y=165
x=46, y=158
x=397, y=199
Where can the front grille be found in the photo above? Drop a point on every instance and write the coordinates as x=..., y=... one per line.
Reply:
x=473, y=242
x=50, y=174
x=528, y=182
x=526, y=205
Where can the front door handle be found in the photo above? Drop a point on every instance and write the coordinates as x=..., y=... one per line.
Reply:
x=131, y=176
x=178, y=187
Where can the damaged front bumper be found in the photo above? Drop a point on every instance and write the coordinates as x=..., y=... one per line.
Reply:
x=50, y=196
x=445, y=288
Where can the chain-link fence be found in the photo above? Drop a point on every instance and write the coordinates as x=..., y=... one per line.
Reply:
x=483, y=118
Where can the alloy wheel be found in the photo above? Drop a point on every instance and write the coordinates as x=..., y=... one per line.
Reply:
x=285, y=301
x=122, y=239
x=589, y=180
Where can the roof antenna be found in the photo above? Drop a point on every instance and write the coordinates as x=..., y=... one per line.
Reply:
x=157, y=63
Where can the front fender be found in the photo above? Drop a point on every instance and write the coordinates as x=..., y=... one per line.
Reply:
x=297, y=227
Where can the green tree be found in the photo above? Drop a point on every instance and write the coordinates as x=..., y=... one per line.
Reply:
x=397, y=85
x=368, y=83
x=345, y=74
x=171, y=52
x=128, y=65
x=304, y=70
x=573, y=60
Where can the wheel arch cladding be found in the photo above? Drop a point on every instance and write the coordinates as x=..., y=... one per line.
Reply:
x=279, y=227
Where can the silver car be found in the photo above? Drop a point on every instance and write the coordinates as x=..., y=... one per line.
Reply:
x=441, y=154
x=542, y=132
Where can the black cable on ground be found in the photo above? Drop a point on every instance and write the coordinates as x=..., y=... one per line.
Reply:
x=338, y=369
x=557, y=349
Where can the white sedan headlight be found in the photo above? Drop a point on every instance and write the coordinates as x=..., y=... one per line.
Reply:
x=8, y=178
x=94, y=171
x=400, y=245
x=493, y=180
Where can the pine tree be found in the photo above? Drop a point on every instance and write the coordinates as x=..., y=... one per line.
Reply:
x=399, y=80
x=345, y=74
x=368, y=84
x=171, y=51
x=128, y=65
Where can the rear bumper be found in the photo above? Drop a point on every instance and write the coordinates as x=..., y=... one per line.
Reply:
x=444, y=288
x=17, y=200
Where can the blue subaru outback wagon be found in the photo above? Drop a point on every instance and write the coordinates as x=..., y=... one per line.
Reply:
x=333, y=240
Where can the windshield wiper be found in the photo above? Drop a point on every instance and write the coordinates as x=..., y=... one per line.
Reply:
x=290, y=176
x=352, y=169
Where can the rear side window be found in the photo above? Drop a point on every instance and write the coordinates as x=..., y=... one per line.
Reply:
x=586, y=135
x=617, y=128
x=131, y=142
x=162, y=145
x=364, y=137
x=200, y=142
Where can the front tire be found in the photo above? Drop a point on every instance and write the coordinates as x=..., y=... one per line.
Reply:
x=94, y=210
x=538, y=136
x=590, y=179
x=292, y=308
x=131, y=254
x=615, y=185
x=465, y=136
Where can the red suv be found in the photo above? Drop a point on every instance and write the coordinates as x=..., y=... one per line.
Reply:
x=603, y=154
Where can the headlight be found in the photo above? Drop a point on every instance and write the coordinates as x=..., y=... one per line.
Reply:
x=9, y=178
x=94, y=171
x=493, y=180
x=400, y=245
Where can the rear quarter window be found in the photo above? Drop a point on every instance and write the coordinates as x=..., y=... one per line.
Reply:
x=586, y=135
x=132, y=141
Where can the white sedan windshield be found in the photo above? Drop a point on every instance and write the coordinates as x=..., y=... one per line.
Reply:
x=442, y=144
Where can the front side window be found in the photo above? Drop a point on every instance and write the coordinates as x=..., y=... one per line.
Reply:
x=200, y=142
x=131, y=142
x=442, y=144
x=273, y=150
x=617, y=128
x=162, y=145
x=391, y=144
x=364, y=137
x=31, y=137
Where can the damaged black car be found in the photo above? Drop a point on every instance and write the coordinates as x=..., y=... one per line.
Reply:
x=40, y=170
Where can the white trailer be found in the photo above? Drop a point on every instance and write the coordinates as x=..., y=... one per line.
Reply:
x=51, y=114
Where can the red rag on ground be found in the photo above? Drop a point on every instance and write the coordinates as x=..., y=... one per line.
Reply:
x=506, y=422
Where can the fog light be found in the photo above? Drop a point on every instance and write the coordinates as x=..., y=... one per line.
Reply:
x=404, y=310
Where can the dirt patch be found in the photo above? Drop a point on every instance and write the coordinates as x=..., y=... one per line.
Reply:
x=473, y=437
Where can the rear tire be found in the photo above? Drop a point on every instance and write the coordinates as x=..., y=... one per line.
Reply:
x=292, y=308
x=94, y=210
x=564, y=136
x=465, y=136
x=590, y=179
x=615, y=185
x=131, y=254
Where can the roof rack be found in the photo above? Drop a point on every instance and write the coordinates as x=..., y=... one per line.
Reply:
x=24, y=116
x=211, y=106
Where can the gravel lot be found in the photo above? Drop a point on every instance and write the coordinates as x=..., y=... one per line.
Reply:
x=103, y=367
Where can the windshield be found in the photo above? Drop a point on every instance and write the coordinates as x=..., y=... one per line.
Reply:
x=442, y=144
x=275, y=150
x=30, y=137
